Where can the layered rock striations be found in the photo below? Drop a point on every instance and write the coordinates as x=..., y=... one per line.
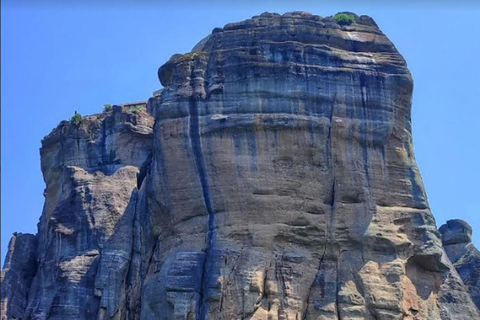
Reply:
x=277, y=180
x=457, y=241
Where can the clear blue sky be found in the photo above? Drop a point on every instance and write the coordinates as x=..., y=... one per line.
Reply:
x=57, y=58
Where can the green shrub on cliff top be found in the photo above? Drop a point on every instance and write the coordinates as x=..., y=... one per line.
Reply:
x=344, y=19
x=107, y=107
x=76, y=119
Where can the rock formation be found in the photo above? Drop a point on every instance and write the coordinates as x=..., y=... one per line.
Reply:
x=457, y=241
x=93, y=171
x=275, y=180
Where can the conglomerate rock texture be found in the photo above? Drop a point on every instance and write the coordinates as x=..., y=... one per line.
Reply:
x=275, y=180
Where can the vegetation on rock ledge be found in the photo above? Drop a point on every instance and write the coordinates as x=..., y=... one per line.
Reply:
x=107, y=107
x=76, y=119
x=344, y=19
x=135, y=110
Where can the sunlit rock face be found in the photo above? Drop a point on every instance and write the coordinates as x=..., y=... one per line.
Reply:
x=284, y=184
x=274, y=178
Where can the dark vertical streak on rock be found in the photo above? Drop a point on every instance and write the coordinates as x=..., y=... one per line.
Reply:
x=331, y=226
x=329, y=235
x=128, y=275
x=329, y=141
x=363, y=139
x=332, y=198
x=104, y=147
x=143, y=172
x=320, y=262
x=78, y=136
x=195, y=140
x=252, y=148
x=337, y=285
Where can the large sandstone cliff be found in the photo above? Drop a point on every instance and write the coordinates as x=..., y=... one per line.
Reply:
x=273, y=178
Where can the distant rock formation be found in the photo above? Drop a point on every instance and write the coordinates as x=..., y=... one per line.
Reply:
x=272, y=178
x=457, y=241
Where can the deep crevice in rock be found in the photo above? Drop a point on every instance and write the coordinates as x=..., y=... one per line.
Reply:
x=196, y=144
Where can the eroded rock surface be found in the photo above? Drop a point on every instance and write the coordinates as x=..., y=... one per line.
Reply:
x=17, y=274
x=299, y=195
x=457, y=241
x=278, y=182
x=92, y=171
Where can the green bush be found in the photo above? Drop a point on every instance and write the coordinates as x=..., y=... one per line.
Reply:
x=135, y=110
x=76, y=119
x=107, y=107
x=344, y=19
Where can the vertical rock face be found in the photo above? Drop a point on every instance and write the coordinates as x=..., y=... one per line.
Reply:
x=93, y=172
x=17, y=274
x=457, y=241
x=279, y=182
x=287, y=142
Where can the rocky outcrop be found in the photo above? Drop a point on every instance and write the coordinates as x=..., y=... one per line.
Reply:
x=93, y=172
x=17, y=274
x=457, y=241
x=278, y=182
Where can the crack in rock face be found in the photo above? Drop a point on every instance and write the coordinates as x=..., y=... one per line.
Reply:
x=273, y=178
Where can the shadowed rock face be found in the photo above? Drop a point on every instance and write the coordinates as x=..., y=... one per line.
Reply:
x=280, y=183
x=85, y=236
x=457, y=241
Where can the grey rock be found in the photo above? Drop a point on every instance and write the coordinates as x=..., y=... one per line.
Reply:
x=275, y=180
x=92, y=171
x=17, y=274
x=457, y=241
